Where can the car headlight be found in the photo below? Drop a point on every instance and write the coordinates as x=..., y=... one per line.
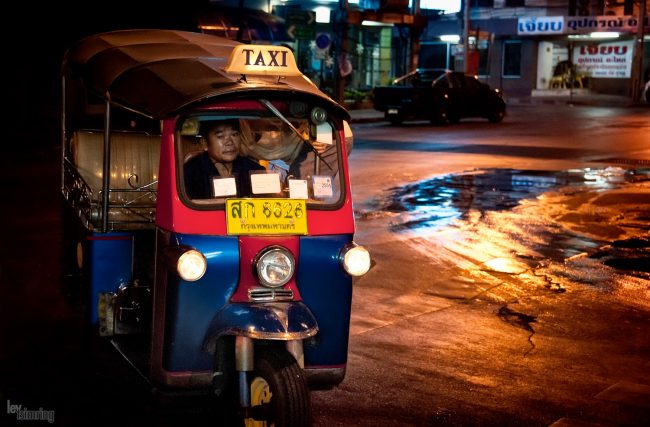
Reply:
x=191, y=265
x=275, y=266
x=355, y=260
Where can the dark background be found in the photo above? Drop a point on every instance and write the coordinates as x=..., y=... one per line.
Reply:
x=36, y=36
x=47, y=359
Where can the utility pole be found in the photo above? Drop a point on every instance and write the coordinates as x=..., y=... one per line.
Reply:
x=465, y=35
x=340, y=48
x=637, y=62
x=414, y=32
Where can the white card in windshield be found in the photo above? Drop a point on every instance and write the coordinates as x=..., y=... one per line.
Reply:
x=222, y=187
x=265, y=183
x=322, y=186
x=298, y=189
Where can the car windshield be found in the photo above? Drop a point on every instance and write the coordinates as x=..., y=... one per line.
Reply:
x=264, y=154
x=419, y=77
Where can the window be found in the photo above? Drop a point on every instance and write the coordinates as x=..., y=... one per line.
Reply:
x=257, y=155
x=482, y=3
x=515, y=3
x=512, y=59
x=434, y=55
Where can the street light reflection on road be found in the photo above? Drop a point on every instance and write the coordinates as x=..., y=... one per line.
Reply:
x=555, y=229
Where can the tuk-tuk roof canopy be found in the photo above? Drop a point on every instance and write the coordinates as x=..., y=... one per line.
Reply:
x=159, y=72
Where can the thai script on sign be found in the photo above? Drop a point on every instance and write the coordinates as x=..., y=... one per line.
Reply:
x=604, y=60
x=588, y=24
x=541, y=25
x=266, y=216
x=279, y=209
x=536, y=25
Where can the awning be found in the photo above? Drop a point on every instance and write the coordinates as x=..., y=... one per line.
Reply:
x=242, y=24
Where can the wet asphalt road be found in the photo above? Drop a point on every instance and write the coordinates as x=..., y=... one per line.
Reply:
x=509, y=288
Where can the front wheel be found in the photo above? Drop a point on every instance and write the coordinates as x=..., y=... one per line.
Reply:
x=439, y=116
x=279, y=392
x=497, y=115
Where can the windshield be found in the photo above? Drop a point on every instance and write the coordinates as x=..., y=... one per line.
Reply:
x=279, y=151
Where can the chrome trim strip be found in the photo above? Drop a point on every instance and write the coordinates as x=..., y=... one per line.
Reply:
x=266, y=294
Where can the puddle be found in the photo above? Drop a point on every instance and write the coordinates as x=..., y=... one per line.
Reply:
x=631, y=254
x=583, y=226
x=437, y=202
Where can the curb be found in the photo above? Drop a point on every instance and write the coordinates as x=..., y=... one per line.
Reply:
x=369, y=116
x=366, y=119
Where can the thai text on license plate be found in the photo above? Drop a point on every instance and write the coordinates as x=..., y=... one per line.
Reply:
x=266, y=216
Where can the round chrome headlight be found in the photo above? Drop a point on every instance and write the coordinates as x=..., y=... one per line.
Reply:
x=355, y=260
x=191, y=265
x=275, y=266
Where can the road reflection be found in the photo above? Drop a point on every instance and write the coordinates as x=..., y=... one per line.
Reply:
x=554, y=228
x=438, y=201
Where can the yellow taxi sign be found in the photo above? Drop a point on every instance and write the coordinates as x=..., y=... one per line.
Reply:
x=267, y=60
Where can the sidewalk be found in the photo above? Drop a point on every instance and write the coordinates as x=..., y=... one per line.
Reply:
x=368, y=115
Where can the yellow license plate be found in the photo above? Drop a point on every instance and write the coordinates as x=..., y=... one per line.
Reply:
x=266, y=216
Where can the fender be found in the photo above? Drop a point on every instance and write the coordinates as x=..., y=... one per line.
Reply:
x=270, y=321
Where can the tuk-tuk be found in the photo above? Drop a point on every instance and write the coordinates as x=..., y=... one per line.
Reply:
x=208, y=216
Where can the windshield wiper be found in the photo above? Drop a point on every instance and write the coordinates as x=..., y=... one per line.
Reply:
x=303, y=138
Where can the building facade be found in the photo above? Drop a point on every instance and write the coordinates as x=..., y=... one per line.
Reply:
x=542, y=47
x=524, y=47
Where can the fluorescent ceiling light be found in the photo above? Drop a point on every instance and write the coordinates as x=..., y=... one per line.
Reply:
x=450, y=38
x=604, y=35
x=375, y=24
x=447, y=6
x=322, y=14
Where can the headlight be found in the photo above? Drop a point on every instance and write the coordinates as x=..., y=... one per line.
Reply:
x=191, y=265
x=274, y=266
x=355, y=260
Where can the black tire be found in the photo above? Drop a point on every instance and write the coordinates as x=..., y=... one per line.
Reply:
x=497, y=115
x=289, y=403
x=439, y=116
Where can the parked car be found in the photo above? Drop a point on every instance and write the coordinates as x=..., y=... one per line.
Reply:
x=449, y=98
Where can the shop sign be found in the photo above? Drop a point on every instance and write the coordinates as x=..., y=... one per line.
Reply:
x=301, y=24
x=541, y=25
x=301, y=17
x=301, y=32
x=590, y=24
x=536, y=25
x=604, y=60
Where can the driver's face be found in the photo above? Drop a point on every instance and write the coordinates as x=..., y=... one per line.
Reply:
x=223, y=143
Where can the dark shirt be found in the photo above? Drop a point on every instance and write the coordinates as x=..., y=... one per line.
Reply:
x=200, y=170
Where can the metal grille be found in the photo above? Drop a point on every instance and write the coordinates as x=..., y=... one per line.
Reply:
x=265, y=294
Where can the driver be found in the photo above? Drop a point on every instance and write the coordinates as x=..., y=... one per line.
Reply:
x=221, y=159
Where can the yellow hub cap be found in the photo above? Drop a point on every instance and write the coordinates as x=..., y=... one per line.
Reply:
x=260, y=394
